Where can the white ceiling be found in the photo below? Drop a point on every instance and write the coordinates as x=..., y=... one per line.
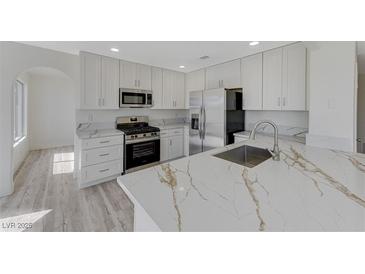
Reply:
x=167, y=54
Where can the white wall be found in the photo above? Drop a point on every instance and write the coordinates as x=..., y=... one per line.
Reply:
x=14, y=59
x=282, y=118
x=332, y=110
x=361, y=108
x=21, y=149
x=51, y=109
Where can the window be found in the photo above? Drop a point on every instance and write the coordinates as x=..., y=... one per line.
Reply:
x=19, y=111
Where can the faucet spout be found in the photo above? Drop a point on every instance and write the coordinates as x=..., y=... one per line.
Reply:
x=275, y=152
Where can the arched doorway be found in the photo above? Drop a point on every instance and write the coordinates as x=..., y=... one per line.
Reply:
x=43, y=115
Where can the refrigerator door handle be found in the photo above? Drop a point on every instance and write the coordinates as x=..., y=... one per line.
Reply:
x=204, y=123
x=200, y=122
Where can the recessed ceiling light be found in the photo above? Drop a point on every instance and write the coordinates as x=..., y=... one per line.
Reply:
x=254, y=43
x=204, y=57
x=114, y=49
x=181, y=66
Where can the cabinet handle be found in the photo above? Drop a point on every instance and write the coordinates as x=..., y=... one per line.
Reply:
x=135, y=83
x=103, y=101
x=99, y=102
x=284, y=101
x=222, y=84
x=104, y=142
x=139, y=83
x=170, y=142
x=278, y=101
x=104, y=170
x=105, y=154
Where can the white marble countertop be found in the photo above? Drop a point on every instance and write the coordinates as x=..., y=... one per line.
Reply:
x=170, y=126
x=309, y=189
x=97, y=133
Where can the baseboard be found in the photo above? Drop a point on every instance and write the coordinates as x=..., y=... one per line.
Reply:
x=330, y=142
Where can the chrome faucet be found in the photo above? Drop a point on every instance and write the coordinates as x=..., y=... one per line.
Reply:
x=275, y=152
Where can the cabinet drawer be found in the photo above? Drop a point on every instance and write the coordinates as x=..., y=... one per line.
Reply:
x=164, y=133
x=171, y=132
x=176, y=131
x=97, y=172
x=101, y=155
x=101, y=142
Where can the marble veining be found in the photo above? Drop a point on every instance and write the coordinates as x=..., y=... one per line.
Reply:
x=309, y=189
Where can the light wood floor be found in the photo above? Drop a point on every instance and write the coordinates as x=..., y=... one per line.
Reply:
x=53, y=202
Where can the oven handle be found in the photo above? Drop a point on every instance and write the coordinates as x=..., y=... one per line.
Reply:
x=141, y=140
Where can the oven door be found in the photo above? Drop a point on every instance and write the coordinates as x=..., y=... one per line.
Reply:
x=132, y=98
x=142, y=153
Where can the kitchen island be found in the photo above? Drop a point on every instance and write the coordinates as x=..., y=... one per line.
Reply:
x=309, y=189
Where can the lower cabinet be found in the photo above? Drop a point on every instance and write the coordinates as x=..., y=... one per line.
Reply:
x=100, y=159
x=171, y=144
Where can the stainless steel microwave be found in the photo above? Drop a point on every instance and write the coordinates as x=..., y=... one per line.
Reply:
x=135, y=98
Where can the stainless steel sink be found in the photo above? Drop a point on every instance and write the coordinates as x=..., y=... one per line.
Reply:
x=245, y=155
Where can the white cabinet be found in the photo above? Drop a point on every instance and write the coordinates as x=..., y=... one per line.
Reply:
x=171, y=144
x=157, y=89
x=195, y=81
x=135, y=76
x=226, y=75
x=284, y=78
x=144, y=77
x=109, y=83
x=100, y=159
x=294, y=77
x=272, y=79
x=173, y=86
x=90, y=80
x=251, y=82
x=99, y=81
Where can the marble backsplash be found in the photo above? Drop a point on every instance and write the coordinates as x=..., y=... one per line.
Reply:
x=283, y=130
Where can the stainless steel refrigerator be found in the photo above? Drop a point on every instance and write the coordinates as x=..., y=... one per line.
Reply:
x=214, y=116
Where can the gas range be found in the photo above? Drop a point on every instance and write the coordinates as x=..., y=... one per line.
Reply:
x=142, y=142
x=137, y=128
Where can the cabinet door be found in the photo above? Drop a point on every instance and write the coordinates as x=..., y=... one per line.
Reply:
x=90, y=81
x=251, y=82
x=213, y=77
x=195, y=81
x=164, y=149
x=128, y=77
x=231, y=74
x=109, y=83
x=294, y=77
x=157, y=88
x=143, y=77
x=179, y=91
x=272, y=76
x=168, y=87
x=176, y=148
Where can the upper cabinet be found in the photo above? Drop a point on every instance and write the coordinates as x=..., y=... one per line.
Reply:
x=294, y=77
x=99, y=82
x=173, y=86
x=272, y=79
x=135, y=76
x=284, y=78
x=109, y=83
x=90, y=80
x=251, y=82
x=157, y=88
x=195, y=80
x=226, y=75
